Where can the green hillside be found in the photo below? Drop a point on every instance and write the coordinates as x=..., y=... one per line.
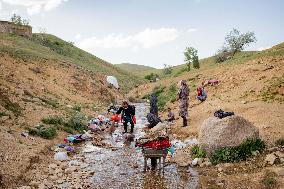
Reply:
x=134, y=68
x=46, y=46
x=208, y=63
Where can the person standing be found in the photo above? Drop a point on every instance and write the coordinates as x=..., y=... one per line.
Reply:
x=153, y=104
x=128, y=113
x=183, y=97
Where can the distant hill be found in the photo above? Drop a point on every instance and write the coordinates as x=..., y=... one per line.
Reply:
x=134, y=67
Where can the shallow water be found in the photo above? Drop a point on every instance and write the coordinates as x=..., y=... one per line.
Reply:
x=123, y=167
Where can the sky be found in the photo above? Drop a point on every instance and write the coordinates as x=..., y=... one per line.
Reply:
x=151, y=32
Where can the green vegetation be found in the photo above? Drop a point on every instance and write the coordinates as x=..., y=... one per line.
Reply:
x=3, y=114
x=40, y=130
x=53, y=120
x=151, y=77
x=168, y=69
x=280, y=142
x=239, y=153
x=164, y=95
x=17, y=19
x=77, y=122
x=274, y=91
x=197, y=152
x=48, y=47
x=77, y=107
x=234, y=42
x=269, y=180
x=191, y=58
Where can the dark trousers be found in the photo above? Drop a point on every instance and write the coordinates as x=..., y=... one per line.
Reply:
x=127, y=120
x=184, y=120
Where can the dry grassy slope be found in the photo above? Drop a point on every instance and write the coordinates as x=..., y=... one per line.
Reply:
x=25, y=85
x=240, y=90
x=134, y=68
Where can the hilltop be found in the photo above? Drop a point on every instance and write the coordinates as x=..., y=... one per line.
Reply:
x=134, y=68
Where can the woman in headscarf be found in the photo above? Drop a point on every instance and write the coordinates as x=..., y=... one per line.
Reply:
x=153, y=104
x=183, y=100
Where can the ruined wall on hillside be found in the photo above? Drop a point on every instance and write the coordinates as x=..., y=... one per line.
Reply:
x=9, y=27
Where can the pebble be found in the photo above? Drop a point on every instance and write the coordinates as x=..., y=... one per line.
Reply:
x=270, y=158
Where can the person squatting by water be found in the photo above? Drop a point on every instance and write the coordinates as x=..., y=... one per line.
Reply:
x=183, y=101
x=171, y=115
x=201, y=93
x=128, y=113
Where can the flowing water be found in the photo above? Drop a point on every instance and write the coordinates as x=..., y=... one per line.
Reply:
x=122, y=167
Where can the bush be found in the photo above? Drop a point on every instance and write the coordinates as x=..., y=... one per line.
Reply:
x=68, y=130
x=239, y=153
x=269, y=180
x=167, y=69
x=151, y=77
x=47, y=133
x=3, y=114
x=77, y=122
x=53, y=120
x=77, y=108
x=50, y=102
x=280, y=142
x=197, y=152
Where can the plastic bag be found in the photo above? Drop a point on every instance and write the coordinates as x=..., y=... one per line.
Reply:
x=60, y=156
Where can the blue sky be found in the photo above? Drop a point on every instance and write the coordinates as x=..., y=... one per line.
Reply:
x=151, y=32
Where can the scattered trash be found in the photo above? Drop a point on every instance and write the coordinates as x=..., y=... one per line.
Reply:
x=25, y=134
x=221, y=114
x=60, y=156
x=90, y=148
x=113, y=81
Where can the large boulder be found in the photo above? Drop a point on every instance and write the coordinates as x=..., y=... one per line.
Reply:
x=230, y=131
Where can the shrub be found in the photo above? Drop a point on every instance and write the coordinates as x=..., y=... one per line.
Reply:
x=68, y=130
x=197, y=152
x=47, y=133
x=269, y=180
x=3, y=114
x=239, y=153
x=168, y=69
x=53, y=120
x=77, y=108
x=151, y=77
x=77, y=122
x=280, y=142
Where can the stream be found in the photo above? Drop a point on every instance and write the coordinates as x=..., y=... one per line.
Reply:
x=122, y=167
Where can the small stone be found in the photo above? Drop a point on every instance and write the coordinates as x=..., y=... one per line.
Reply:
x=281, y=160
x=194, y=162
x=243, y=102
x=270, y=158
x=202, y=165
x=220, y=169
x=60, y=181
x=208, y=163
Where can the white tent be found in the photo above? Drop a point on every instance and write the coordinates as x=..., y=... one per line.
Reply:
x=112, y=80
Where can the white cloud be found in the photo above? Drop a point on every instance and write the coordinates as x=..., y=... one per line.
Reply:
x=35, y=6
x=0, y=5
x=145, y=39
x=190, y=30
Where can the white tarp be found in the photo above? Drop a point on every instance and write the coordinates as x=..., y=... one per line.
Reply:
x=112, y=80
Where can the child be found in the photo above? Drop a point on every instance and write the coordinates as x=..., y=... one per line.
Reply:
x=171, y=115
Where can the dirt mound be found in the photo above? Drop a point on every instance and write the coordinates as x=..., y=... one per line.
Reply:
x=230, y=131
